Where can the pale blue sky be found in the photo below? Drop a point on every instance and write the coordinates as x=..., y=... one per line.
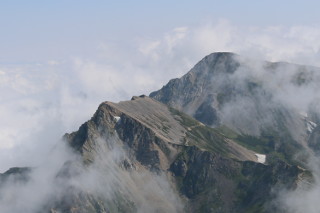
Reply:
x=35, y=30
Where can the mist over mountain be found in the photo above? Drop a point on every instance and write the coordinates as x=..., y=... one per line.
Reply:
x=257, y=98
x=232, y=135
x=227, y=89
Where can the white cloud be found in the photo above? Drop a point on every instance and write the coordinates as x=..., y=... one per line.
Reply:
x=148, y=48
x=53, y=62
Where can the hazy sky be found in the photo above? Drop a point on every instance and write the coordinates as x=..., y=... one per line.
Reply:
x=36, y=30
x=59, y=59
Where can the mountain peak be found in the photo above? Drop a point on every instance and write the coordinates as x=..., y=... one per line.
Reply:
x=220, y=54
x=176, y=151
x=217, y=62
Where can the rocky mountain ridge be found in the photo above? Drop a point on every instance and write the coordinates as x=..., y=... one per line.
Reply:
x=146, y=156
x=206, y=172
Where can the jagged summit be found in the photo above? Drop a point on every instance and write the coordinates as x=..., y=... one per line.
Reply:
x=227, y=89
x=226, y=60
x=197, y=159
x=164, y=123
x=153, y=115
x=196, y=91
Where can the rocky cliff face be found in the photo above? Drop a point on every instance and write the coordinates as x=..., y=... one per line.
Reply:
x=207, y=171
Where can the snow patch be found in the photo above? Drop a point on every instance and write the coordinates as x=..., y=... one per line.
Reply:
x=310, y=126
x=117, y=118
x=260, y=158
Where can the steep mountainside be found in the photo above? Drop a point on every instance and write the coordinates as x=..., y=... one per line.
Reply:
x=202, y=170
x=256, y=98
x=169, y=128
x=221, y=80
x=144, y=155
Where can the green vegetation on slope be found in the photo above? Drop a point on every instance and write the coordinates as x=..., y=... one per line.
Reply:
x=201, y=135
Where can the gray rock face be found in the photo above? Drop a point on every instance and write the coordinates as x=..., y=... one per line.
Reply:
x=314, y=140
x=206, y=113
x=256, y=98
